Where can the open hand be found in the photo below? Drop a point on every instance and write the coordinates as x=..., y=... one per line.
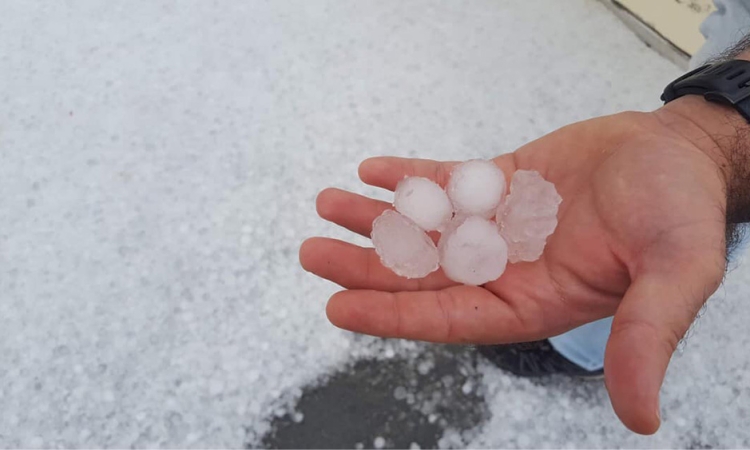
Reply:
x=641, y=236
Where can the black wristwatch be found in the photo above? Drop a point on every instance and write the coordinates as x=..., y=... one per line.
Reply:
x=727, y=82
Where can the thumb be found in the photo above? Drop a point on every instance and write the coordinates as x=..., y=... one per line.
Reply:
x=654, y=315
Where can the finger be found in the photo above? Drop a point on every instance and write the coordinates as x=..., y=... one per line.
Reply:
x=355, y=267
x=352, y=211
x=387, y=171
x=458, y=314
x=654, y=315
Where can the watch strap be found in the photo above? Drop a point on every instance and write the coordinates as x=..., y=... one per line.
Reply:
x=727, y=83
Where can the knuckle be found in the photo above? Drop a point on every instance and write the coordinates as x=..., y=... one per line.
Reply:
x=396, y=311
x=446, y=302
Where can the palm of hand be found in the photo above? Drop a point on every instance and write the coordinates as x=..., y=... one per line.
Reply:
x=640, y=236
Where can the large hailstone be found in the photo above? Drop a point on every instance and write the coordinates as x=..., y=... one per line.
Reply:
x=472, y=251
x=424, y=202
x=403, y=247
x=528, y=215
x=476, y=188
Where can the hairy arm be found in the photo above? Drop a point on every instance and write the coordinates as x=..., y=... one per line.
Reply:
x=722, y=133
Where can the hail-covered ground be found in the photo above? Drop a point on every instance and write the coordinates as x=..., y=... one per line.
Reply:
x=158, y=168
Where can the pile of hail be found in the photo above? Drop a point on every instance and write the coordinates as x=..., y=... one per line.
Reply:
x=473, y=248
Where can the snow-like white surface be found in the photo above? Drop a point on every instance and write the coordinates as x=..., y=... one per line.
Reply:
x=158, y=166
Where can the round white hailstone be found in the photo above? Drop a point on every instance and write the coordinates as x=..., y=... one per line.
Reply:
x=379, y=442
x=528, y=215
x=423, y=201
x=403, y=247
x=476, y=188
x=473, y=252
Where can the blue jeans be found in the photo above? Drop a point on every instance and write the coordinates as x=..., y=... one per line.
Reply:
x=723, y=28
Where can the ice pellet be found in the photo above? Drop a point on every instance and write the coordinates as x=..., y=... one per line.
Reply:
x=476, y=188
x=402, y=246
x=423, y=201
x=528, y=215
x=473, y=252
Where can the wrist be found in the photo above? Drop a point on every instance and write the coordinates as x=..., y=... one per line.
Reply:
x=716, y=130
x=723, y=135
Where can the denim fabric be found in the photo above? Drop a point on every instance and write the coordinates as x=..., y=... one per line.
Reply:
x=585, y=345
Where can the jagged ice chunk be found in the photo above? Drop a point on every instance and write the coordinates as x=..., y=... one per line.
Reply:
x=473, y=252
x=476, y=187
x=423, y=201
x=528, y=215
x=402, y=246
